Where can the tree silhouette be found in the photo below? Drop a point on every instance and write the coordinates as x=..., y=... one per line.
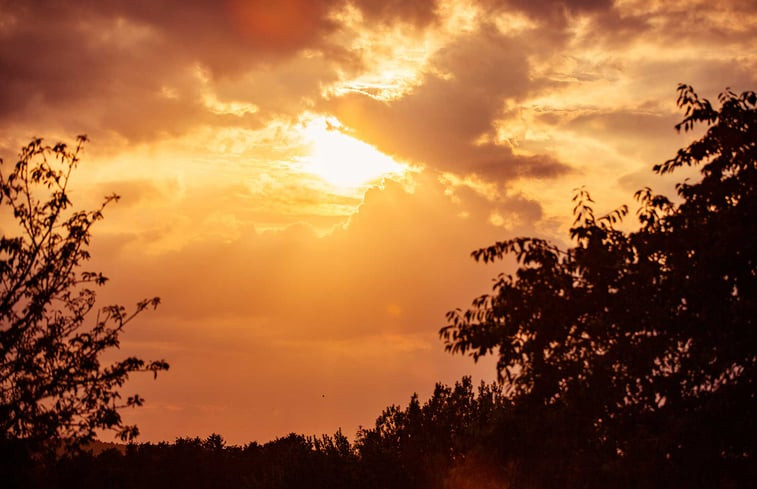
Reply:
x=433, y=445
x=290, y=462
x=638, y=349
x=53, y=387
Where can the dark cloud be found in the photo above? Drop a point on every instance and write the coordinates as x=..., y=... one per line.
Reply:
x=131, y=67
x=695, y=23
x=60, y=54
x=227, y=36
x=690, y=22
x=58, y=65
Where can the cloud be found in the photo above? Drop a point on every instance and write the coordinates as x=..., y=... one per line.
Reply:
x=268, y=321
x=445, y=122
x=144, y=70
x=59, y=68
x=356, y=276
x=131, y=68
x=419, y=13
x=554, y=13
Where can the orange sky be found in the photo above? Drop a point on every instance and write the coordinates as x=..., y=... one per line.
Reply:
x=303, y=180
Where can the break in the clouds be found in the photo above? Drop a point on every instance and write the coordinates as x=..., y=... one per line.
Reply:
x=303, y=180
x=447, y=122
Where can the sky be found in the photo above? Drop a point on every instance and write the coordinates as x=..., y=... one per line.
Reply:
x=303, y=181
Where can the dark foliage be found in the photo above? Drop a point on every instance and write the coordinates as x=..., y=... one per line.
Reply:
x=442, y=443
x=631, y=356
x=54, y=390
x=292, y=462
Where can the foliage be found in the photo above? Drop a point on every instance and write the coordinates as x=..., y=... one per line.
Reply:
x=293, y=461
x=441, y=443
x=434, y=444
x=53, y=386
x=644, y=341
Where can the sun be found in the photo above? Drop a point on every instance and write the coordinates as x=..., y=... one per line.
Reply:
x=341, y=159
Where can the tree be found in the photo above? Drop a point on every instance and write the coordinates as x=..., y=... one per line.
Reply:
x=54, y=387
x=644, y=343
x=439, y=443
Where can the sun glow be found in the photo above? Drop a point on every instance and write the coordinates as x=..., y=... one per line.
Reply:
x=342, y=160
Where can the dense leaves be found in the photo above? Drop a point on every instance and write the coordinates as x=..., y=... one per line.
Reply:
x=644, y=341
x=54, y=387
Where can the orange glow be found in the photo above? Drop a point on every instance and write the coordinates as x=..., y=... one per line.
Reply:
x=278, y=22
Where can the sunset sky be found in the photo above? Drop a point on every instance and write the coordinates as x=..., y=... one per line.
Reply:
x=303, y=181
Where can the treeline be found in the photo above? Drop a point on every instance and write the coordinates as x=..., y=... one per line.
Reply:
x=462, y=437
x=444, y=442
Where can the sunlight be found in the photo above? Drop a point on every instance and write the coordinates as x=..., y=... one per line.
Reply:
x=342, y=160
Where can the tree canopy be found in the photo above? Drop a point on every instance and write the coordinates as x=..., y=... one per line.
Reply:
x=54, y=387
x=643, y=341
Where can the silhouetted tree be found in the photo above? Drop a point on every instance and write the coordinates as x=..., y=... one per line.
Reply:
x=53, y=386
x=434, y=444
x=631, y=356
